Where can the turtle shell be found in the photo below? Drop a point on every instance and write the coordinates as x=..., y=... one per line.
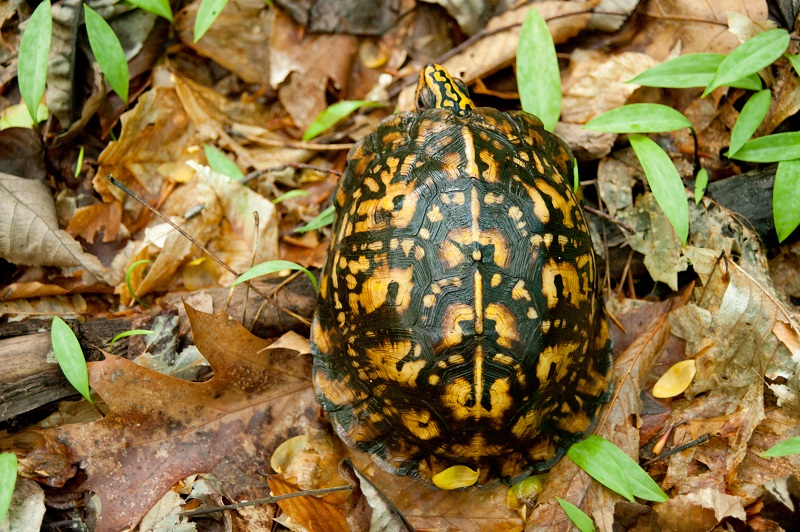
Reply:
x=459, y=319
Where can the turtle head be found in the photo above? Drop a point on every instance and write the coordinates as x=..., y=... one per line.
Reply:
x=436, y=88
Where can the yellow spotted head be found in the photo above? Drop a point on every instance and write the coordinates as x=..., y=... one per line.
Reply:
x=437, y=88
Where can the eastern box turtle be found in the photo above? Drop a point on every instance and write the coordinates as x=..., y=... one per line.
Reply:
x=459, y=319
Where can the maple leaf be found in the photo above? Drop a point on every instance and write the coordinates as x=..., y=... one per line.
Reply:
x=161, y=429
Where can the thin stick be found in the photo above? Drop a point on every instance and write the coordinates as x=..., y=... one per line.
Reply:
x=194, y=241
x=605, y=216
x=267, y=500
x=702, y=439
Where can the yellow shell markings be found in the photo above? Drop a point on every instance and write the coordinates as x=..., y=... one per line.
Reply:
x=457, y=313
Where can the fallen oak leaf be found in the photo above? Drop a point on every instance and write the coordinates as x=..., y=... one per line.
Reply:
x=316, y=514
x=161, y=429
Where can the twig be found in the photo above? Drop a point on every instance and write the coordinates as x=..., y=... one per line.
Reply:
x=258, y=173
x=194, y=241
x=267, y=500
x=702, y=439
x=605, y=216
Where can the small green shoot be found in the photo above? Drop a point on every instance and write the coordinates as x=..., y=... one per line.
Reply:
x=34, y=50
x=128, y=280
x=690, y=70
x=606, y=463
x=639, y=118
x=750, y=118
x=70, y=356
x=700, y=184
x=156, y=7
x=17, y=116
x=784, y=198
x=323, y=219
x=108, y=52
x=784, y=448
x=576, y=180
x=8, y=480
x=79, y=164
x=769, y=149
x=538, y=76
x=134, y=332
x=750, y=57
x=329, y=117
x=576, y=515
x=220, y=163
x=274, y=266
x=665, y=182
x=296, y=193
x=795, y=60
x=207, y=13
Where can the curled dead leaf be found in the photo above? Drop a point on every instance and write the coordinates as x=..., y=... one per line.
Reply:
x=676, y=379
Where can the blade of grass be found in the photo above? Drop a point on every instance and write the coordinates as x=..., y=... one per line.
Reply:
x=8, y=480
x=784, y=448
x=750, y=118
x=329, y=117
x=108, y=52
x=34, y=50
x=274, y=266
x=134, y=332
x=321, y=220
x=665, y=183
x=220, y=163
x=750, y=57
x=538, y=76
x=70, y=357
x=639, y=118
x=207, y=13
x=296, y=193
x=576, y=515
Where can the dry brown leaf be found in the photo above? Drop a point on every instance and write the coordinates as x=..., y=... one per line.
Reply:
x=235, y=40
x=161, y=429
x=367, y=508
x=315, y=513
x=29, y=232
x=731, y=324
x=87, y=221
x=566, y=480
x=44, y=307
x=700, y=510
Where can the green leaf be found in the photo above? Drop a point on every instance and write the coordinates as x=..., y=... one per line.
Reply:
x=291, y=194
x=690, y=70
x=134, y=332
x=273, y=266
x=578, y=518
x=700, y=184
x=207, y=13
x=784, y=448
x=770, y=149
x=70, y=356
x=79, y=163
x=8, y=479
x=665, y=183
x=795, y=60
x=17, y=116
x=220, y=163
x=538, y=77
x=786, y=197
x=34, y=50
x=108, y=52
x=333, y=114
x=606, y=463
x=639, y=118
x=321, y=220
x=749, y=119
x=156, y=7
x=750, y=57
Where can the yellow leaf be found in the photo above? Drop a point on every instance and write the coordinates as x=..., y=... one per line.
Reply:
x=455, y=477
x=675, y=380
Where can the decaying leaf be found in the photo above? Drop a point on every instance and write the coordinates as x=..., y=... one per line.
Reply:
x=29, y=232
x=367, y=508
x=160, y=429
x=315, y=514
